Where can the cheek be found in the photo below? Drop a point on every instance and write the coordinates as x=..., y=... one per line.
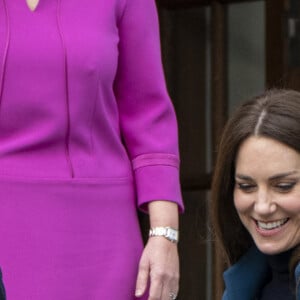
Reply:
x=241, y=201
x=290, y=204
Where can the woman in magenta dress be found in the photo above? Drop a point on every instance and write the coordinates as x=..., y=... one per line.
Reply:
x=87, y=136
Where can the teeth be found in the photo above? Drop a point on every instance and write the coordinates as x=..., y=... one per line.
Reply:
x=271, y=225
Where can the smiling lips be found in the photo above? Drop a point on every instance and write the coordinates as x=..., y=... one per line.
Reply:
x=270, y=228
x=271, y=225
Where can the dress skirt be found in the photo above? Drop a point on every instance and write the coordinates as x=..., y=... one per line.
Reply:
x=76, y=239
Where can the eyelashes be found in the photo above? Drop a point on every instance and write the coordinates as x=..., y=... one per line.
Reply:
x=281, y=187
x=285, y=186
x=246, y=187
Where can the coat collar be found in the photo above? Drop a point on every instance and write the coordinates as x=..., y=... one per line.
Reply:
x=297, y=280
x=245, y=279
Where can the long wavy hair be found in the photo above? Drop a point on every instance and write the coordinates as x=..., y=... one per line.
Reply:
x=274, y=114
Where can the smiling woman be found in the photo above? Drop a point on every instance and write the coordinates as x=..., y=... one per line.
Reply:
x=256, y=198
x=267, y=193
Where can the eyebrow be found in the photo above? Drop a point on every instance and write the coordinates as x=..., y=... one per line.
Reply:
x=277, y=176
x=243, y=177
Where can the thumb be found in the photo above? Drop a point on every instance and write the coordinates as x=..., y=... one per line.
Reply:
x=142, y=279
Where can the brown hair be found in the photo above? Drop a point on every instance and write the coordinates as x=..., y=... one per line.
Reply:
x=274, y=114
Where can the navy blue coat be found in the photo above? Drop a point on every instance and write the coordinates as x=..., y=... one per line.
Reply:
x=245, y=279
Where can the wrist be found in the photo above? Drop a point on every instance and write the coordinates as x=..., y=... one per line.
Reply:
x=163, y=213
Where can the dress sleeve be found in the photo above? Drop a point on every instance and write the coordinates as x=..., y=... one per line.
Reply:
x=147, y=118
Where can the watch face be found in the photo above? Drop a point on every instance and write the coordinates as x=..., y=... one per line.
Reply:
x=172, y=234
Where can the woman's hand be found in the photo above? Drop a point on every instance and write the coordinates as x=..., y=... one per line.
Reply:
x=159, y=264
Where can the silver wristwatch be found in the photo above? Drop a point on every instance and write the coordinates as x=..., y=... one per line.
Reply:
x=169, y=233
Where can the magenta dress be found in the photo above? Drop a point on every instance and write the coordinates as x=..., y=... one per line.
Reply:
x=87, y=136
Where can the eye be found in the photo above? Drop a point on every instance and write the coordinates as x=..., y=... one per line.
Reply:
x=246, y=187
x=285, y=187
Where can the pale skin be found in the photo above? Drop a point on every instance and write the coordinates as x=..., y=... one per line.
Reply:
x=159, y=263
x=32, y=4
x=267, y=193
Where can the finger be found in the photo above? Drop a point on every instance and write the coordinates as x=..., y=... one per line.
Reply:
x=172, y=296
x=169, y=292
x=170, y=288
x=156, y=287
x=142, y=280
x=174, y=285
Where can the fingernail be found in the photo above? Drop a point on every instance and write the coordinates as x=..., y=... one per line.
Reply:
x=138, y=293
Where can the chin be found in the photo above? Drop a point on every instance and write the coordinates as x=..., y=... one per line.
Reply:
x=271, y=249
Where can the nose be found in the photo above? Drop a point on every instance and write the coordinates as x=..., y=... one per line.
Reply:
x=264, y=204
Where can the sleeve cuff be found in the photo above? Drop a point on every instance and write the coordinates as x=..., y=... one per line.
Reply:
x=158, y=181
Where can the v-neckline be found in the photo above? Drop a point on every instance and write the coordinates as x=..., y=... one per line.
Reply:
x=32, y=5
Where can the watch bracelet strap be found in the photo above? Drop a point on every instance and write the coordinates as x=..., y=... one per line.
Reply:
x=169, y=233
